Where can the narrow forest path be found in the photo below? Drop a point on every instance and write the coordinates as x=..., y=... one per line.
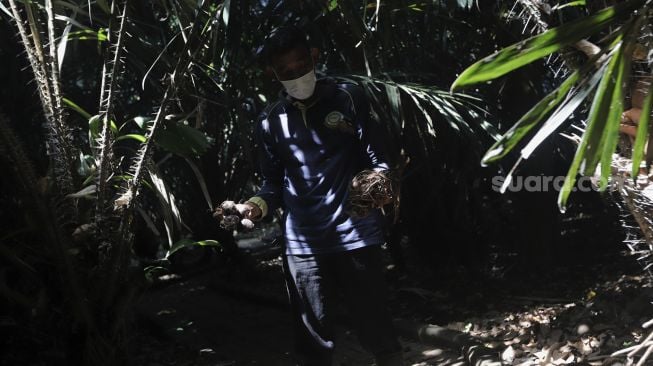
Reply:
x=235, y=314
x=196, y=323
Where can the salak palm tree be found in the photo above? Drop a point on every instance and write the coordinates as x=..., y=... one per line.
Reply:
x=97, y=282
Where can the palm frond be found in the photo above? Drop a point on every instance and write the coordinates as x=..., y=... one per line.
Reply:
x=12, y=149
x=111, y=71
x=59, y=142
x=600, y=138
x=139, y=163
x=52, y=231
x=408, y=107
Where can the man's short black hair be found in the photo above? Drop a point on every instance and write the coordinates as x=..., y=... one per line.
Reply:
x=284, y=39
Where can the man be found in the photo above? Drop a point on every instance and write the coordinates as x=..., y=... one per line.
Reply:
x=313, y=140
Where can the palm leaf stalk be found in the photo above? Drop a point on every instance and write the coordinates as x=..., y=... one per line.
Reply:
x=12, y=149
x=110, y=73
x=54, y=69
x=59, y=143
x=138, y=166
x=60, y=139
x=118, y=252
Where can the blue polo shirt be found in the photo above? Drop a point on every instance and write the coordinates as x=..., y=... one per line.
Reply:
x=308, y=154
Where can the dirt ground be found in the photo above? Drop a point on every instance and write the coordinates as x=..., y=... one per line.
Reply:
x=195, y=322
x=235, y=314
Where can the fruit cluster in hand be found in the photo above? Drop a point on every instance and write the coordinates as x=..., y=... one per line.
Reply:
x=232, y=215
x=369, y=189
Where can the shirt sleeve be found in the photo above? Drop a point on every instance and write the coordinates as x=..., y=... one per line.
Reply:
x=368, y=132
x=269, y=197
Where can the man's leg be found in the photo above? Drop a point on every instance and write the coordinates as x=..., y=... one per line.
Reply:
x=360, y=273
x=307, y=290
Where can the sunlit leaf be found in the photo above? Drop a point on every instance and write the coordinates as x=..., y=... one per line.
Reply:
x=168, y=204
x=465, y=4
x=72, y=105
x=156, y=60
x=616, y=109
x=534, y=48
x=571, y=3
x=140, y=121
x=87, y=34
x=132, y=136
x=5, y=10
x=643, y=129
x=600, y=137
x=63, y=42
x=86, y=165
x=528, y=121
x=574, y=100
x=226, y=6
x=185, y=243
x=71, y=21
x=94, y=128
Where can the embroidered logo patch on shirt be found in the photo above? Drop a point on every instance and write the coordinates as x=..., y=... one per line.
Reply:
x=337, y=121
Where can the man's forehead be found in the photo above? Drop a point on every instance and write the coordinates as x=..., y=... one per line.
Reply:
x=296, y=55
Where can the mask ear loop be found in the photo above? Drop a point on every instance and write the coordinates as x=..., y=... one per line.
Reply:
x=312, y=62
x=275, y=74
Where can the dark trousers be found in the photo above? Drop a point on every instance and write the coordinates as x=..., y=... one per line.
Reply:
x=313, y=283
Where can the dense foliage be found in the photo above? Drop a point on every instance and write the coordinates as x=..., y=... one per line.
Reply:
x=123, y=123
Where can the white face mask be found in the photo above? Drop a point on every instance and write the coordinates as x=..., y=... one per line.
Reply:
x=302, y=87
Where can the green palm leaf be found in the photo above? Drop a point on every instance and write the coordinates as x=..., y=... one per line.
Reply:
x=600, y=138
x=534, y=48
x=642, y=132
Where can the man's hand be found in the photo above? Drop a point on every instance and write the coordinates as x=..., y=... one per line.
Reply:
x=369, y=189
x=631, y=116
x=250, y=211
x=237, y=215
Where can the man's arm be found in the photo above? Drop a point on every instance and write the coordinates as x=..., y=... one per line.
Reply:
x=369, y=134
x=269, y=197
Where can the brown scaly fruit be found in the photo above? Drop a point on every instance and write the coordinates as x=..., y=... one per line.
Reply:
x=230, y=215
